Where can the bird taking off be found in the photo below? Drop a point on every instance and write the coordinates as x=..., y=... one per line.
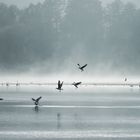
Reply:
x=76, y=84
x=82, y=67
x=60, y=84
x=36, y=101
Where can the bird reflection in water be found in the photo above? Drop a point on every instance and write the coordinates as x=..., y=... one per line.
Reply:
x=58, y=120
x=36, y=109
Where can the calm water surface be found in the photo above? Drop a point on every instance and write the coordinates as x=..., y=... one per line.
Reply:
x=87, y=113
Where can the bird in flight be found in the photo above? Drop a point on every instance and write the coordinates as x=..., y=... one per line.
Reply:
x=82, y=67
x=60, y=84
x=76, y=84
x=36, y=101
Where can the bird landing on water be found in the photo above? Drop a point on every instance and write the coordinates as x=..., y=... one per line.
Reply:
x=36, y=101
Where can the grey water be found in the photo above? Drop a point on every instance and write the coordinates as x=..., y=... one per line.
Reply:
x=86, y=113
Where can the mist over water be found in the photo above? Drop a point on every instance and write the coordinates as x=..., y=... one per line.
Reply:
x=43, y=43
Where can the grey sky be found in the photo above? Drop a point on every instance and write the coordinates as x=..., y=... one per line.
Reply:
x=25, y=3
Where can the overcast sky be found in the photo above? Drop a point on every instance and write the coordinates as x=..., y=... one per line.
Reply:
x=25, y=3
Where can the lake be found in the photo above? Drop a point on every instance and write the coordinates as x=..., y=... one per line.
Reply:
x=86, y=113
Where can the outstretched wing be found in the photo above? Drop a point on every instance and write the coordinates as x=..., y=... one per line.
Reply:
x=84, y=66
x=76, y=86
x=33, y=99
x=61, y=84
x=38, y=98
x=78, y=83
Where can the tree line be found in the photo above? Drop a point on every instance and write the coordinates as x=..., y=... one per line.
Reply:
x=70, y=30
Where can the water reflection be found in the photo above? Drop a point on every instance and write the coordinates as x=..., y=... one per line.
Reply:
x=58, y=120
x=36, y=109
x=77, y=119
x=112, y=112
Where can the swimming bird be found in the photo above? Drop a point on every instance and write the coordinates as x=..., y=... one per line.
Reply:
x=76, y=84
x=82, y=67
x=60, y=84
x=1, y=99
x=131, y=85
x=36, y=101
x=17, y=84
x=7, y=84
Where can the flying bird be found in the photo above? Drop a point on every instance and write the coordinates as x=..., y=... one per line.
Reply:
x=76, y=84
x=82, y=67
x=36, y=101
x=60, y=84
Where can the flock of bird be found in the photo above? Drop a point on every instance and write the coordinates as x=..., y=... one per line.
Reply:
x=59, y=86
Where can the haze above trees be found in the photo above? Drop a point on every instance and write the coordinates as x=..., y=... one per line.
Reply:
x=43, y=36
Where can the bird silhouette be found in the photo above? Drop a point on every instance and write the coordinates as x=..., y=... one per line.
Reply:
x=36, y=101
x=60, y=84
x=17, y=84
x=1, y=99
x=76, y=84
x=82, y=67
x=7, y=84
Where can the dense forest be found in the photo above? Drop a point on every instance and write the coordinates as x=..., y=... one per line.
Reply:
x=57, y=34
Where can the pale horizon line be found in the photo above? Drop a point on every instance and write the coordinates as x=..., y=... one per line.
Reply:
x=71, y=83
